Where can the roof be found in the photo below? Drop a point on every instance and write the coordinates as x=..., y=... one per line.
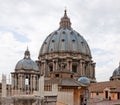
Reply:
x=65, y=82
x=26, y=64
x=70, y=82
x=114, y=86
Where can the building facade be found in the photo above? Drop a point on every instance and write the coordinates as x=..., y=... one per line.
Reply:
x=107, y=90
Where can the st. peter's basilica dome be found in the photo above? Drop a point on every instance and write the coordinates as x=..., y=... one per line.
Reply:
x=65, y=39
x=66, y=50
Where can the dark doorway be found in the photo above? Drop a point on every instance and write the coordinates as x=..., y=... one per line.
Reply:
x=81, y=99
x=118, y=95
x=106, y=94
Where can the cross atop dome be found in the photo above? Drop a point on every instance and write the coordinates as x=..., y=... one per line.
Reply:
x=65, y=21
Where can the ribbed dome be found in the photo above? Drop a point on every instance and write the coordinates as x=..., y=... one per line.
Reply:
x=26, y=63
x=65, y=39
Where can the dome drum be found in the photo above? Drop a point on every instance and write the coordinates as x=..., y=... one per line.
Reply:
x=79, y=67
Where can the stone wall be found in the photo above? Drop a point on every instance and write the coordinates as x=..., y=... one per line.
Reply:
x=25, y=101
x=65, y=98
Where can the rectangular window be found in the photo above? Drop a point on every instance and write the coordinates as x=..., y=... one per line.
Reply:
x=74, y=68
x=56, y=75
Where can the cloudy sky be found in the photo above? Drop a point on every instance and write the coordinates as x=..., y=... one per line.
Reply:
x=28, y=22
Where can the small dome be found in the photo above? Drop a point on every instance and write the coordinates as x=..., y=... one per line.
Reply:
x=116, y=74
x=84, y=80
x=116, y=71
x=26, y=63
x=65, y=39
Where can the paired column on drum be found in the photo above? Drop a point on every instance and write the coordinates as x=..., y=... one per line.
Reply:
x=55, y=64
x=87, y=68
x=69, y=64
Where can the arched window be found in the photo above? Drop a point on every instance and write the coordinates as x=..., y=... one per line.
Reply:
x=51, y=68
